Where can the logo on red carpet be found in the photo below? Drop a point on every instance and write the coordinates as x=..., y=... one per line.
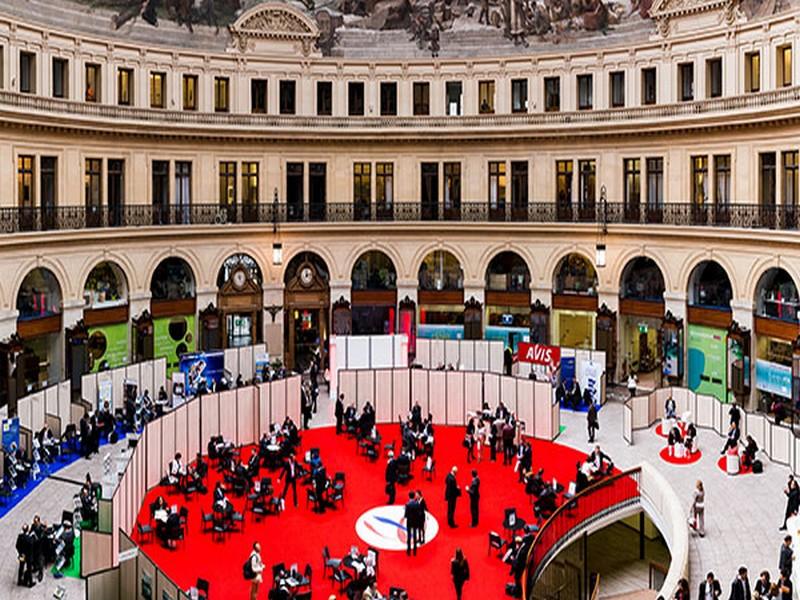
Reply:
x=384, y=527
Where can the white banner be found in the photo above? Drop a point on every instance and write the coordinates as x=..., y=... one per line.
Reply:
x=589, y=374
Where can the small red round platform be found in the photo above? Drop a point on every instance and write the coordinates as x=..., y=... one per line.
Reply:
x=299, y=534
x=743, y=470
x=688, y=459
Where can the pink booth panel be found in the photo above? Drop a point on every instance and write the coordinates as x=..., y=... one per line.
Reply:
x=401, y=393
x=193, y=440
x=293, y=398
x=155, y=468
x=278, y=394
x=264, y=407
x=455, y=398
x=437, y=396
x=383, y=401
x=246, y=416
x=227, y=415
x=365, y=387
x=525, y=402
x=167, y=439
x=473, y=387
x=209, y=418
x=181, y=435
x=419, y=389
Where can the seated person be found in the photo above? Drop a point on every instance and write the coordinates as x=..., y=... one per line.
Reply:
x=88, y=505
x=159, y=504
x=674, y=437
x=600, y=463
x=534, y=484
x=545, y=504
x=669, y=409
x=732, y=441
x=176, y=471
x=750, y=449
x=170, y=529
x=581, y=477
x=221, y=503
x=691, y=435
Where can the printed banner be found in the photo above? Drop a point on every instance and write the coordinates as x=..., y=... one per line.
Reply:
x=589, y=374
x=208, y=366
x=540, y=354
x=10, y=432
x=774, y=378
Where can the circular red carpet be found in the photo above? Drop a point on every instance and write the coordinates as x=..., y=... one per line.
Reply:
x=743, y=470
x=664, y=434
x=299, y=534
x=674, y=460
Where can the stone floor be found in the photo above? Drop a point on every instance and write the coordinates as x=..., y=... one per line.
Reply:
x=742, y=514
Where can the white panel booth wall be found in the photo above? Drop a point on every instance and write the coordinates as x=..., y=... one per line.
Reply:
x=588, y=364
x=462, y=355
x=365, y=352
x=452, y=397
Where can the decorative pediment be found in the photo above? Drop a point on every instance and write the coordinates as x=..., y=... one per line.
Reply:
x=274, y=27
x=681, y=16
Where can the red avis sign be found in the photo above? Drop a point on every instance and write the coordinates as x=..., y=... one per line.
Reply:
x=539, y=354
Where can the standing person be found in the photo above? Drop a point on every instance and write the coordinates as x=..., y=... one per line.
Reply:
x=391, y=478
x=508, y=443
x=740, y=586
x=592, y=423
x=699, y=509
x=787, y=556
x=423, y=516
x=682, y=593
x=474, y=491
x=451, y=494
x=25, y=574
x=339, y=413
x=632, y=384
x=736, y=414
x=792, y=493
x=253, y=569
x=763, y=586
x=290, y=473
x=305, y=404
x=710, y=589
x=459, y=570
x=412, y=517
x=469, y=440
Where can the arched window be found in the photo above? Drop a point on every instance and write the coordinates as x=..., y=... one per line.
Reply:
x=106, y=286
x=374, y=271
x=441, y=271
x=508, y=272
x=239, y=261
x=172, y=280
x=710, y=287
x=776, y=296
x=39, y=295
x=575, y=274
x=642, y=280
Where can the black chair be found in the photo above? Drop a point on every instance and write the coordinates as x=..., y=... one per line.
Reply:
x=341, y=576
x=144, y=531
x=207, y=520
x=183, y=513
x=311, y=497
x=328, y=562
x=278, y=570
x=238, y=518
x=388, y=447
x=496, y=542
x=512, y=523
x=202, y=589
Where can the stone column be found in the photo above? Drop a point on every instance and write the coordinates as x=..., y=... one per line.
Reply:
x=407, y=287
x=340, y=288
x=742, y=310
x=138, y=302
x=542, y=294
x=273, y=319
x=8, y=323
x=475, y=288
x=71, y=312
x=675, y=302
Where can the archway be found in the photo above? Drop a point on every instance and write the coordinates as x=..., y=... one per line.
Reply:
x=238, y=320
x=374, y=294
x=574, y=302
x=709, y=319
x=641, y=307
x=776, y=328
x=440, y=293
x=39, y=322
x=508, y=299
x=173, y=307
x=105, y=316
x=307, y=304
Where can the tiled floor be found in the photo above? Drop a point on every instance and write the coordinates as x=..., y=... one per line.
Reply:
x=742, y=514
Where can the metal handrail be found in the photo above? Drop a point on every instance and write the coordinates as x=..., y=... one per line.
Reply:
x=533, y=569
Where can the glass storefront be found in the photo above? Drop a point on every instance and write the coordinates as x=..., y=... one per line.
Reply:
x=441, y=321
x=640, y=343
x=509, y=324
x=574, y=329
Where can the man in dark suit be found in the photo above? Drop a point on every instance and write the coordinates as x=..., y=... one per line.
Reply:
x=411, y=515
x=391, y=478
x=787, y=556
x=23, y=546
x=474, y=491
x=451, y=494
x=711, y=584
x=740, y=587
x=423, y=515
x=339, y=413
x=86, y=436
x=290, y=472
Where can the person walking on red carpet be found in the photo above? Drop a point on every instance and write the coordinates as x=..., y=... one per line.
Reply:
x=451, y=494
x=290, y=473
x=253, y=569
x=391, y=478
x=459, y=570
x=411, y=515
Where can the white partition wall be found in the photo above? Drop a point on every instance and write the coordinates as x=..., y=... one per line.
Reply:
x=159, y=375
x=401, y=392
x=227, y=415
x=423, y=356
x=481, y=349
x=167, y=439
x=246, y=416
x=347, y=386
x=278, y=394
x=419, y=389
x=456, y=412
x=496, y=357
x=508, y=393
x=231, y=361
x=473, y=392
x=525, y=403
x=193, y=441
x=292, y=398
x=264, y=407
x=437, y=354
x=452, y=352
x=381, y=352
x=155, y=470
x=383, y=401
x=491, y=390
x=467, y=353
x=246, y=362
x=437, y=396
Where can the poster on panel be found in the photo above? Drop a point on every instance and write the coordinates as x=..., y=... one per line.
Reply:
x=173, y=337
x=202, y=371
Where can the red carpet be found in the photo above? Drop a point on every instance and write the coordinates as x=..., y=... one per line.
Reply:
x=298, y=535
x=674, y=460
x=664, y=434
x=743, y=470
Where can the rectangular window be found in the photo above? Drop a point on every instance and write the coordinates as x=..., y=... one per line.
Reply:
x=355, y=98
x=222, y=93
x=60, y=78
x=632, y=191
x=325, y=98
x=384, y=189
x=115, y=184
x=452, y=189
x=686, y=82
x=552, y=94
x=92, y=184
x=722, y=180
x=655, y=184
x=25, y=190
x=362, y=192
x=388, y=98
x=587, y=186
x=790, y=178
x=227, y=183
x=27, y=72
x=48, y=185
x=617, y=92
x=92, y=73
x=452, y=93
x=519, y=95
x=317, y=184
x=160, y=190
x=158, y=89
x=752, y=72
x=124, y=87
x=294, y=191
x=699, y=180
x=183, y=189
x=190, y=92
x=649, y=86
x=258, y=96
x=767, y=179
x=422, y=98
x=250, y=191
x=584, y=92
x=497, y=190
x=287, y=97
x=784, y=65
x=564, y=187
x=519, y=190
x=714, y=77
x=486, y=97
x=429, y=190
